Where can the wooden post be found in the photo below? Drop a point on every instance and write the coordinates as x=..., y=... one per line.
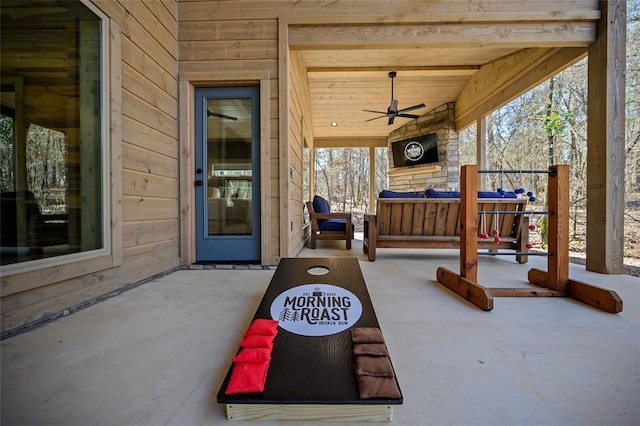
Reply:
x=605, y=141
x=481, y=150
x=372, y=179
x=558, y=229
x=469, y=223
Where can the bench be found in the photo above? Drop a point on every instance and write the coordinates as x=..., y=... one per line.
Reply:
x=435, y=223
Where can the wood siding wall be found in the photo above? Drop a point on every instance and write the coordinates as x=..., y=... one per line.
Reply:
x=300, y=127
x=217, y=49
x=144, y=141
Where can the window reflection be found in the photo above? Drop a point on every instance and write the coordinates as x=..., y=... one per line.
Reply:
x=50, y=130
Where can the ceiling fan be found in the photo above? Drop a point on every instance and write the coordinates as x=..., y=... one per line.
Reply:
x=392, y=110
x=219, y=115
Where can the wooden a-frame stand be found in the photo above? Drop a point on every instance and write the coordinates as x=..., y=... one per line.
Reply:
x=553, y=283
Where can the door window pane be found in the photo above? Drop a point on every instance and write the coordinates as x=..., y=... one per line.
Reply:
x=229, y=166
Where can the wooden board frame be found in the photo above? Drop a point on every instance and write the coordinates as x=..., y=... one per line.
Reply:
x=555, y=282
x=310, y=412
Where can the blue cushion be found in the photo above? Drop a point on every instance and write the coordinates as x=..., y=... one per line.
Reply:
x=432, y=193
x=492, y=194
x=320, y=205
x=334, y=225
x=393, y=194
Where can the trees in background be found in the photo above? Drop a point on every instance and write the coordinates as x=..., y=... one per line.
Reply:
x=46, y=152
x=548, y=125
x=545, y=126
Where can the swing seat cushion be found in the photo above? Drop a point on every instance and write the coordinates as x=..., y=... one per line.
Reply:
x=432, y=193
x=395, y=194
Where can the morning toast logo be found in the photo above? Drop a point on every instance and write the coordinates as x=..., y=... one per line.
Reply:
x=413, y=151
x=316, y=309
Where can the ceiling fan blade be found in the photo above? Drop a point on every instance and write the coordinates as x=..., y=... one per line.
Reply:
x=411, y=108
x=217, y=114
x=392, y=110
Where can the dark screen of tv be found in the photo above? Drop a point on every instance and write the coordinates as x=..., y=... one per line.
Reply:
x=411, y=152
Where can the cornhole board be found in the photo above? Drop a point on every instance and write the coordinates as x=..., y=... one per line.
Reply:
x=311, y=374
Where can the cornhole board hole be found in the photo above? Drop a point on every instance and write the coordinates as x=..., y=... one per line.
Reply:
x=311, y=373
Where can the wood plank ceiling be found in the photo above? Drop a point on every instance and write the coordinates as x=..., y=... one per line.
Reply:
x=348, y=65
x=435, y=55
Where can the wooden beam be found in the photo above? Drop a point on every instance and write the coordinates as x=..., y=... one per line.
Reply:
x=419, y=35
x=503, y=80
x=465, y=288
x=354, y=142
x=605, y=142
x=407, y=71
x=448, y=17
x=481, y=150
x=372, y=179
x=469, y=222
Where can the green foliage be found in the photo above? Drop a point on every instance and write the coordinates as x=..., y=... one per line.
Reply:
x=543, y=229
x=6, y=154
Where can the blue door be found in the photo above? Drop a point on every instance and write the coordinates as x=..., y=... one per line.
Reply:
x=227, y=176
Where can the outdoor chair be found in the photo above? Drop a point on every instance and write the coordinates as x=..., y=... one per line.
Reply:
x=326, y=225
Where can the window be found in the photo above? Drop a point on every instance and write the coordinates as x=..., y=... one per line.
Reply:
x=52, y=149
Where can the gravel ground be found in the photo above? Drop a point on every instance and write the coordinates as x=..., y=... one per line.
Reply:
x=628, y=269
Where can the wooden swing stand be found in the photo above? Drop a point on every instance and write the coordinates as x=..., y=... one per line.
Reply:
x=555, y=282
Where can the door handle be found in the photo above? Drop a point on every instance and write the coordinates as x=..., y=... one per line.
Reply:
x=199, y=182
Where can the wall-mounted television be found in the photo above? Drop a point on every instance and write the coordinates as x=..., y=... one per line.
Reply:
x=411, y=152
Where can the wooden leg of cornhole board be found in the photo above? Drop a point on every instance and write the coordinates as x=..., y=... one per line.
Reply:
x=598, y=297
x=471, y=291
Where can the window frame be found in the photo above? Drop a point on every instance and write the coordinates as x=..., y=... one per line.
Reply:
x=50, y=270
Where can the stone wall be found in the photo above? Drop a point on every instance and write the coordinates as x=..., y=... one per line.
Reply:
x=440, y=120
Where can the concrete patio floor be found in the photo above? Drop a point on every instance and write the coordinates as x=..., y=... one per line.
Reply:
x=157, y=354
